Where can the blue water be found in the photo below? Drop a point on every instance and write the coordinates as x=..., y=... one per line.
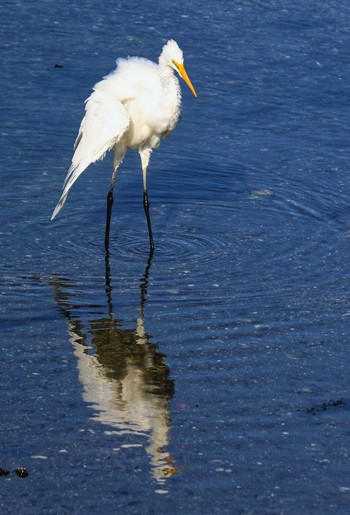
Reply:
x=215, y=378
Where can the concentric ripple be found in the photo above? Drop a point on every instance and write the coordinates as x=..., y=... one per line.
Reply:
x=244, y=238
x=184, y=246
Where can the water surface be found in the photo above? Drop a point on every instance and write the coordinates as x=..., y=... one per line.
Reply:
x=213, y=378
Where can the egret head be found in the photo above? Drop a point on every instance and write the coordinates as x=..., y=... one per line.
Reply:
x=172, y=56
x=171, y=52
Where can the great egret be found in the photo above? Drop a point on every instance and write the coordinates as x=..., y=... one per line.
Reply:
x=133, y=107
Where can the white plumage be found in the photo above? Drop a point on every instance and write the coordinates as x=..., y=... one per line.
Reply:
x=133, y=107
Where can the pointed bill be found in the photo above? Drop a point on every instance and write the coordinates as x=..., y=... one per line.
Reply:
x=185, y=77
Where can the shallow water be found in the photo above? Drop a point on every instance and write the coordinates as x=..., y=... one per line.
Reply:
x=213, y=378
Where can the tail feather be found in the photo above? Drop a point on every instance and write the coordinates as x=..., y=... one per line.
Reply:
x=59, y=205
x=105, y=122
x=75, y=170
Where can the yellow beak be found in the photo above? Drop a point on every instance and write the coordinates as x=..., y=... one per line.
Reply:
x=185, y=77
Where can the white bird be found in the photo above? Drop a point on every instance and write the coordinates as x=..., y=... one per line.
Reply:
x=133, y=107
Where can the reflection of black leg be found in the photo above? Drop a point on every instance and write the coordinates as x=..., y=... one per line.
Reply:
x=146, y=207
x=108, y=283
x=108, y=217
x=144, y=283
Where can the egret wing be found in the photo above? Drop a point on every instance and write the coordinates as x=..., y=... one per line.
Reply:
x=105, y=122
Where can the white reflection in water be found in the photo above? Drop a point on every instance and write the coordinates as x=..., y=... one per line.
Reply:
x=124, y=376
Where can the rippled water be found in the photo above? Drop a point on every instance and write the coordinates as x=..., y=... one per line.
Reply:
x=214, y=377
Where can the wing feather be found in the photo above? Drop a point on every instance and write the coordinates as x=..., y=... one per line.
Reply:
x=105, y=122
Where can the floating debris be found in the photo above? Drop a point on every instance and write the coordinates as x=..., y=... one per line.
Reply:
x=261, y=193
x=21, y=472
x=325, y=406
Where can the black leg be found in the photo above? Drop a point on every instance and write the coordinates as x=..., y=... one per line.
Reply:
x=110, y=201
x=146, y=208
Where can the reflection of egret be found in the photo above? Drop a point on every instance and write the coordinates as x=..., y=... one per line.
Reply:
x=124, y=376
x=133, y=107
